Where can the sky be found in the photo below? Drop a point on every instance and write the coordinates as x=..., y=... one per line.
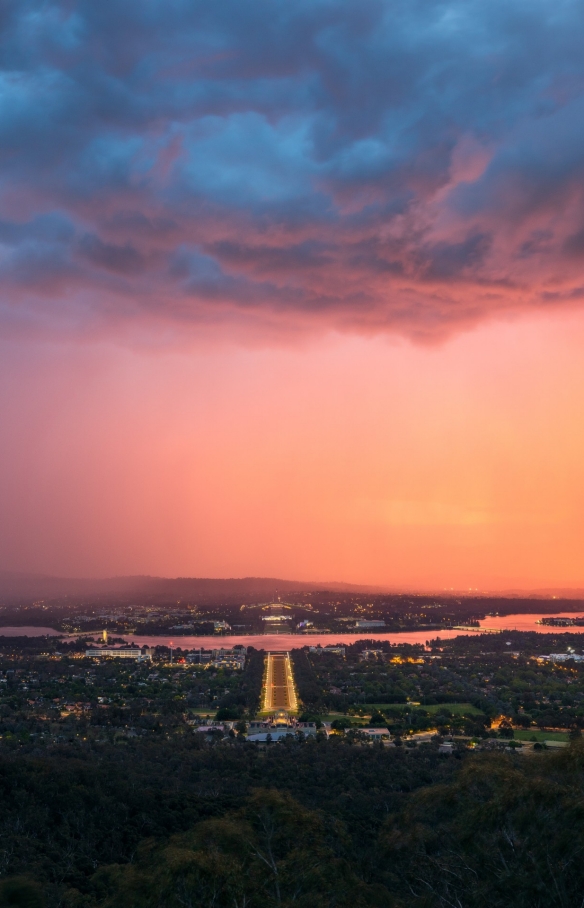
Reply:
x=293, y=290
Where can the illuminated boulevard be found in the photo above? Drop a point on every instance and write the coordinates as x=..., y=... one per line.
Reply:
x=279, y=692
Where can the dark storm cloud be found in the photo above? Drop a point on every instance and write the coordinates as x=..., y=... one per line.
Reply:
x=395, y=165
x=121, y=259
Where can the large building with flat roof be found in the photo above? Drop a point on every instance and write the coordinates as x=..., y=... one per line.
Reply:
x=125, y=652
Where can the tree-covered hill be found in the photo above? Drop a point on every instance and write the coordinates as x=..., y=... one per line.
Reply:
x=303, y=824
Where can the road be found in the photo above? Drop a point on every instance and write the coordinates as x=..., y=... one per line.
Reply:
x=279, y=691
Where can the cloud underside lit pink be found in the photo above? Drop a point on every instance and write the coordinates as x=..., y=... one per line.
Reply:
x=279, y=168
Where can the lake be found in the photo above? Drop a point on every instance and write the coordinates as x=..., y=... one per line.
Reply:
x=293, y=641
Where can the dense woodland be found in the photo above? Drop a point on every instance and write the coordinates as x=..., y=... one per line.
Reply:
x=316, y=824
x=111, y=799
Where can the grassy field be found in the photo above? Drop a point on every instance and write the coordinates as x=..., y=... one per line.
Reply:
x=457, y=709
x=527, y=734
x=355, y=720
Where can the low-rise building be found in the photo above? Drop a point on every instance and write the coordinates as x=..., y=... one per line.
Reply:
x=376, y=734
x=233, y=662
x=371, y=655
x=199, y=656
x=323, y=650
x=278, y=726
x=122, y=652
x=258, y=725
x=219, y=658
x=562, y=657
x=278, y=734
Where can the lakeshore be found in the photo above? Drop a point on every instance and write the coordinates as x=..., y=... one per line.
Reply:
x=289, y=641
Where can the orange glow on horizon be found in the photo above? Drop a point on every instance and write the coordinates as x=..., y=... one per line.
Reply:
x=351, y=459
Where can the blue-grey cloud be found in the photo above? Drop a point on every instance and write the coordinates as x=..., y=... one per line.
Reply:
x=399, y=164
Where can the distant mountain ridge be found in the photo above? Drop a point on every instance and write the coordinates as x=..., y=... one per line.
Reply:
x=13, y=584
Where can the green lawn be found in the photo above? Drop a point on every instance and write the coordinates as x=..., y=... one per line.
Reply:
x=202, y=712
x=526, y=734
x=457, y=709
x=354, y=719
